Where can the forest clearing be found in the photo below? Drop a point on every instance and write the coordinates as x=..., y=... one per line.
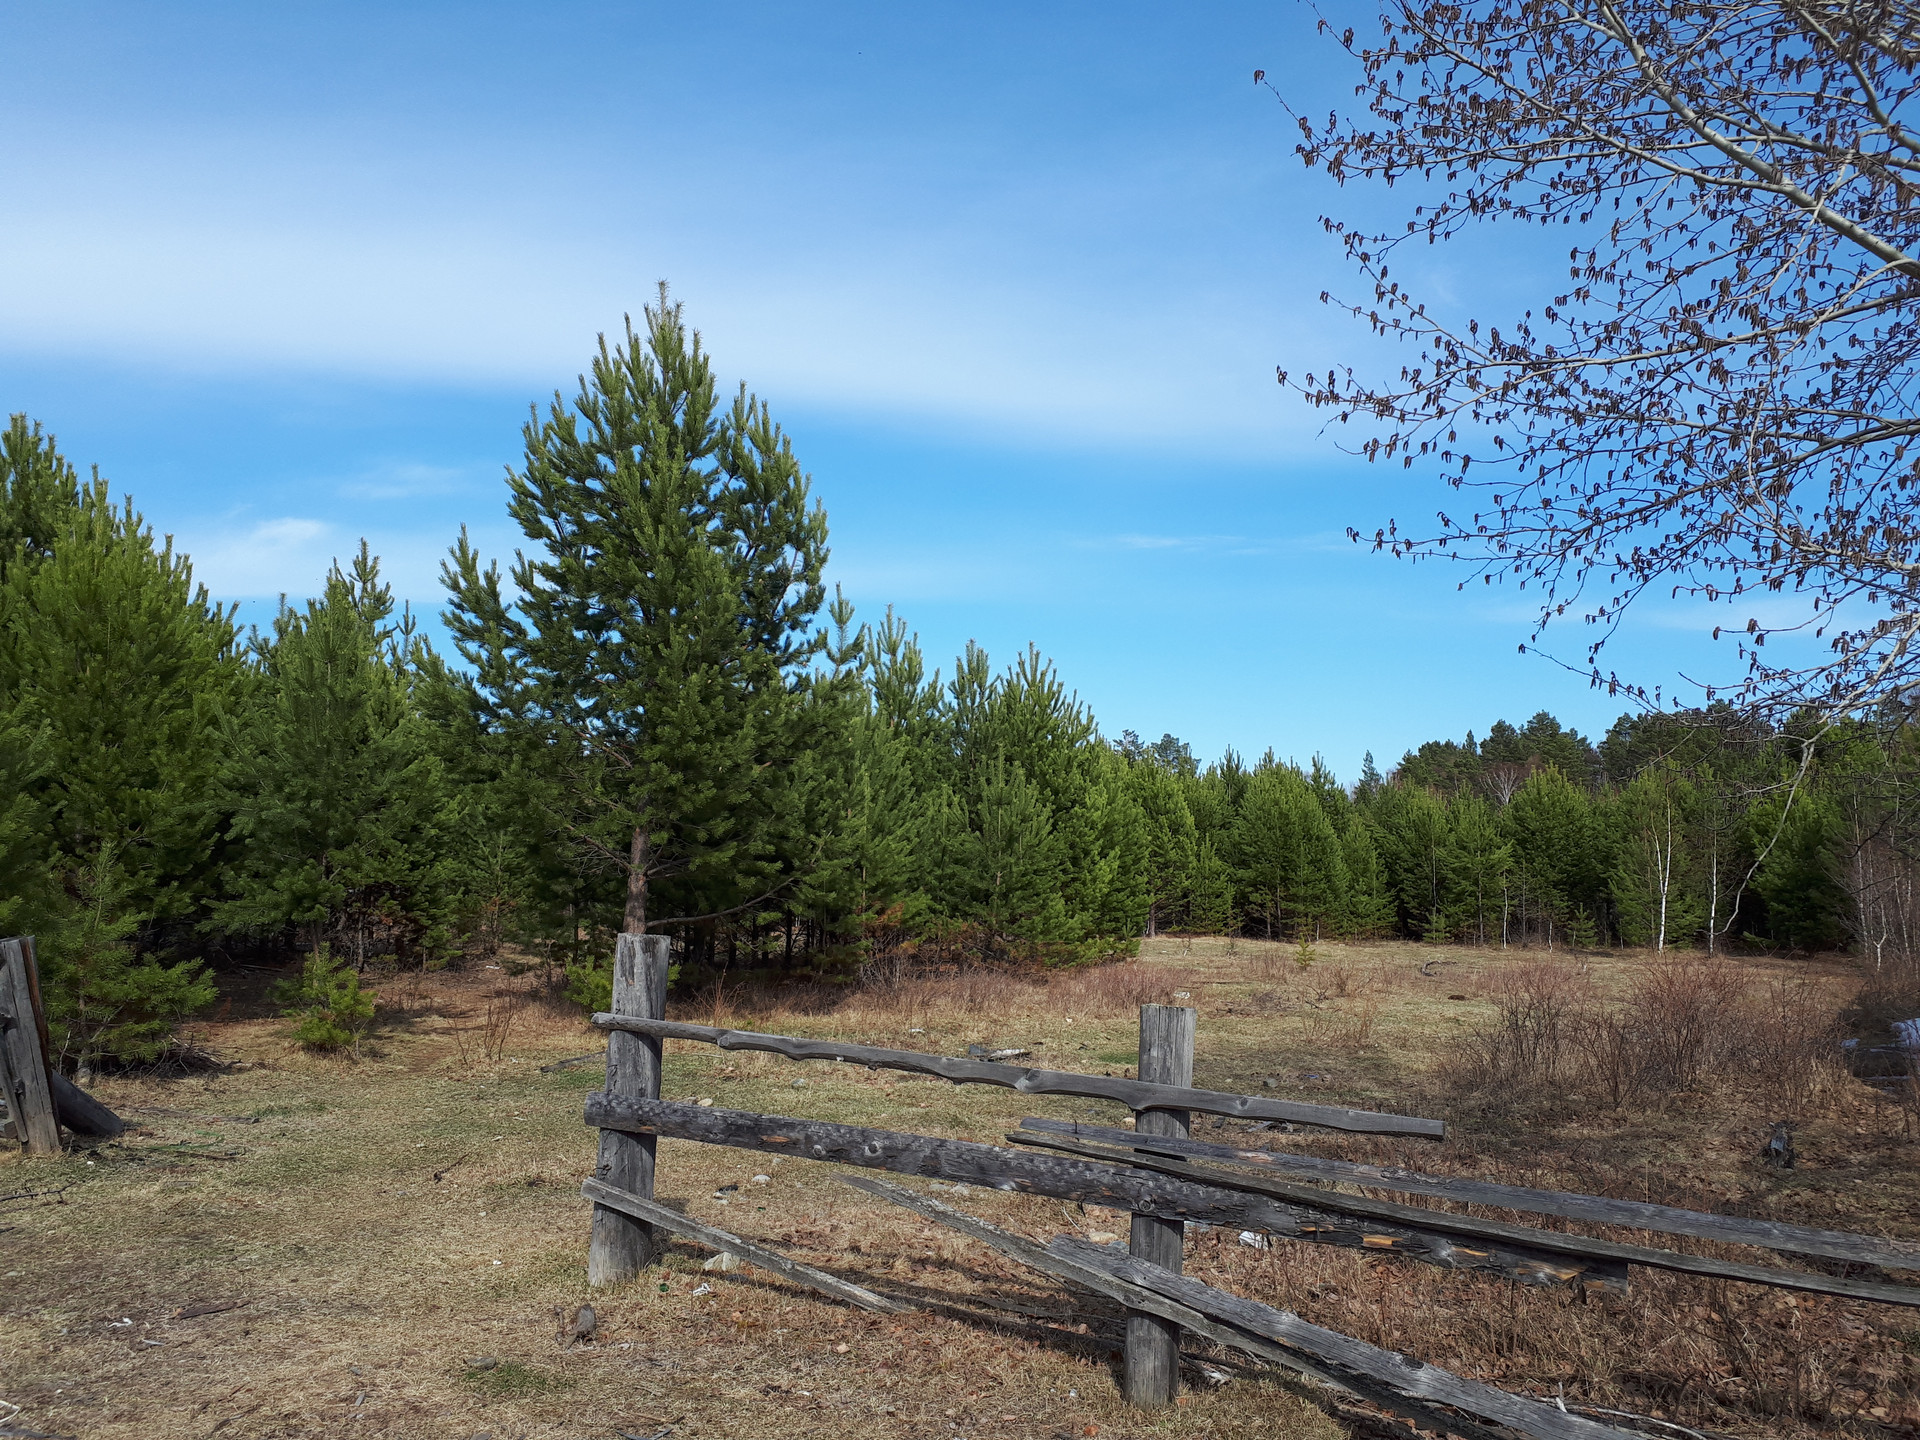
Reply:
x=401, y=851
x=296, y=1244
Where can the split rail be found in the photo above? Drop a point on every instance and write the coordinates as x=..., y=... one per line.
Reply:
x=1167, y=1179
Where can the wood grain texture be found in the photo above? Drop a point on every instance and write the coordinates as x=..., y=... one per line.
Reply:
x=1025, y=1251
x=23, y=1067
x=661, y=1218
x=1602, y=1210
x=1092, y=1183
x=1341, y=1352
x=1551, y=1242
x=1134, y=1094
x=1152, y=1373
x=621, y=1246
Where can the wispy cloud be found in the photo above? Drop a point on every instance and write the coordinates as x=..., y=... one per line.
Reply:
x=1222, y=545
x=407, y=482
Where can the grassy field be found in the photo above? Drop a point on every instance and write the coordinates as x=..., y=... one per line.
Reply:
x=297, y=1245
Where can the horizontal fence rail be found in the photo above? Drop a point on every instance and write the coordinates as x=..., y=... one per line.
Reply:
x=1088, y=1182
x=1135, y=1094
x=1599, y=1209
x=1553, y=1242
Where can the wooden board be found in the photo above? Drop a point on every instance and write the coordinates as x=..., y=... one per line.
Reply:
x=1134, y=1094
x=1088, y=1182
x=1298, y=1359
x=23, y=1062
x=81, y=1113
x=1552, y=1242
x=660, y=1217
x=1602, y=1210
x=1341, y=1352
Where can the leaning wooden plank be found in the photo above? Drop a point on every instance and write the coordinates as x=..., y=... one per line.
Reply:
x=81, y=1113
x=654, y=1213
x=1135, y=1094
x=23, y=1065
x=1552, y=1242
x=1339, y=1352
x=1019, y=1248
x=1121, y=1188
x=1601, y=1210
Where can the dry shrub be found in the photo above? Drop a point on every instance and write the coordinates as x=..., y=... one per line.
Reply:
x=1271, y=967
x=503, y=1007
x=1683, y=1023
x=1790, y=1042
x=1119, y=988
x=971, y=990
x=1687, y=1013
x=1537, y=1007
x=1357, y=1032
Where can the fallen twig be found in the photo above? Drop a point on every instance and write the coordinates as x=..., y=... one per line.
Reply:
x=34, y=1194
x=442, y=1174
x=573, y=1060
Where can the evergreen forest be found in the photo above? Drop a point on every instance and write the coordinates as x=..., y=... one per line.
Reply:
x=655, y=717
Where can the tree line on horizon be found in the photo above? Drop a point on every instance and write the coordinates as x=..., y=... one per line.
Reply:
x=656, y=719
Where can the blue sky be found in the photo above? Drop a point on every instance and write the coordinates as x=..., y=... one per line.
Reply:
x=1015, y=278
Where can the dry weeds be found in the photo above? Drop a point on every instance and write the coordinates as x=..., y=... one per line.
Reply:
x=306, y=1189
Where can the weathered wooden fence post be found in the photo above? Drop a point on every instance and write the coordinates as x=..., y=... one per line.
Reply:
x=621, y=1246
x=1153, y=1343
x=23, y=1055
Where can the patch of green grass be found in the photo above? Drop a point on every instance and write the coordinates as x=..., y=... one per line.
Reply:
x=1118, y=1057
x=510, y=1380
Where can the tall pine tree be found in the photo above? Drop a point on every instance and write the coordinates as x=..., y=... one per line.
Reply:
x=649, y=671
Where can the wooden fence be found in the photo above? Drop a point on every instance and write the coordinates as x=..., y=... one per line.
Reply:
x=39, y=1099
x=25, y=1075
x=1167, y=1180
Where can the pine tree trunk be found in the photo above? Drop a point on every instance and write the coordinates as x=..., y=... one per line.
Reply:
x=636, y=918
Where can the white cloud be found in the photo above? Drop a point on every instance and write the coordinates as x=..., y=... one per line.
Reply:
x=1043, y=309
x=264, y=559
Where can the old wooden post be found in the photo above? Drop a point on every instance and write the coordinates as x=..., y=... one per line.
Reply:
x=622, y=1246
x=23, y=1056
x=1153, y=1344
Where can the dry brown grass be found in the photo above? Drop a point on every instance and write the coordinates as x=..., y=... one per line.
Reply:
x=369, y=1284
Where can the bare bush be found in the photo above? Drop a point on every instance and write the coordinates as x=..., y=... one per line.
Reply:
x=1686, y=1013
x=1685, y=1023
x=1535, y=1011
x=1117, y=989
x=1787, y=1045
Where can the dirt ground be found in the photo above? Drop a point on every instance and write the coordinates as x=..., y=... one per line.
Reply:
x=298, y=1245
